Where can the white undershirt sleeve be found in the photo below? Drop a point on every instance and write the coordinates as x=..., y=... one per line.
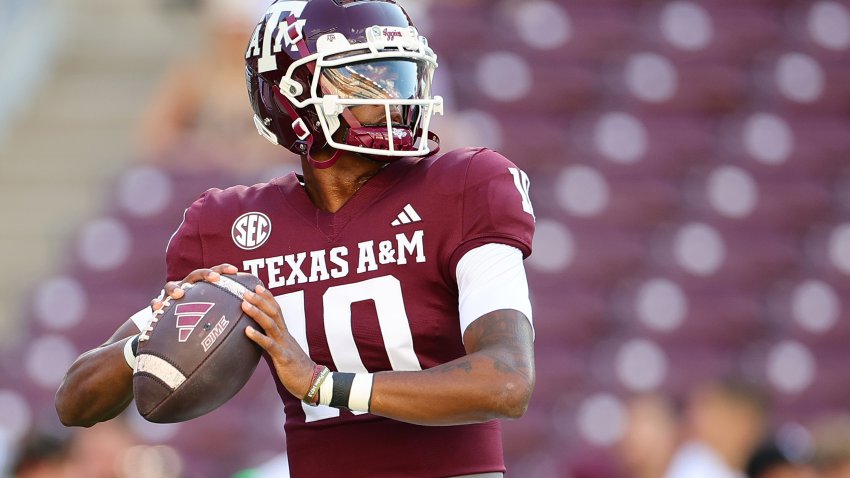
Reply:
x=491, y=277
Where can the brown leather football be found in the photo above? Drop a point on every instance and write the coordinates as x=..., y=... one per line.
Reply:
x=195, y=355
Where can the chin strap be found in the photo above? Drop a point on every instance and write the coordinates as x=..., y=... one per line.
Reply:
x=352, y=124
x=326, y=163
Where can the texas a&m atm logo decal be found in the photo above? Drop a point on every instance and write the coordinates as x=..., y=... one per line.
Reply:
x=188, y=317
x=251, y=230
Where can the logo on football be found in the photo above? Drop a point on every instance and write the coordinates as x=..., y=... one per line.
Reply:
x=214, y=334
x=251, y=230
x=188, y=317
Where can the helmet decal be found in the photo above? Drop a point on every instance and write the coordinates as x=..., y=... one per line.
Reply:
x=275, y=19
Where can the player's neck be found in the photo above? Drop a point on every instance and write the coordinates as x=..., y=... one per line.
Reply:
x=329, y=189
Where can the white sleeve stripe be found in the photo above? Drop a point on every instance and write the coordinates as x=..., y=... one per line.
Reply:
x=491, y=277
x=142, y=318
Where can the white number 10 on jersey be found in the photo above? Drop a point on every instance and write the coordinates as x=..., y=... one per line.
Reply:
x=385, y=291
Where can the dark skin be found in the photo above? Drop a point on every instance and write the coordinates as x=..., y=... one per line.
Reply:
x=493, y=380
x=99, y=384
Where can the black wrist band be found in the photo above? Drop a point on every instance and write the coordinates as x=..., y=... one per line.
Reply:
x=342, y=389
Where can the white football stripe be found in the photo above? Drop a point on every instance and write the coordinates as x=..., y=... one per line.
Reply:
x=412, y=213
x=160, y=369
x=231, y=285
x=403, y=218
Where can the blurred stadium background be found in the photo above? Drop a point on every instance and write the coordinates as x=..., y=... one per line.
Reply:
x=690, y=166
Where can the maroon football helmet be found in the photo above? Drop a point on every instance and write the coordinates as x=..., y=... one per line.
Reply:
x=309, y=63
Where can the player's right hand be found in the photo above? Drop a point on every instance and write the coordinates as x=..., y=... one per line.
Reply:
x=172, y=289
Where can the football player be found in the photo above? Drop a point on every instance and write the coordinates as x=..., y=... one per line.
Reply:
x=396, y=318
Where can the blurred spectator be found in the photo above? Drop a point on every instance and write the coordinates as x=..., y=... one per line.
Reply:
x=650, y=437
x=97, y=452
x=43, y=455
x=832, y=446
x=771, y=461
x=277, y=467
x=726, y=421
x=200, y=117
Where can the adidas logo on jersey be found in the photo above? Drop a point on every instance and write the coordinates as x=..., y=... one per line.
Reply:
x=406, y=216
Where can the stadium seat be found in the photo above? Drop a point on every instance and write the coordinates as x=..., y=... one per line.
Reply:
x=567, y=313
x=624, y=142
x=739, y=255
x=707, y=313
x=728, y=32
x=729, y=192
x=553, y=88
x=604, y=195
x=603, y=256
x=651, y=83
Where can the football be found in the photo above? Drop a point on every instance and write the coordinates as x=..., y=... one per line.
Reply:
x=195, y=355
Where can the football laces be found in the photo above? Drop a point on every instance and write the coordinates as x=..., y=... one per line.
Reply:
x=145, y=335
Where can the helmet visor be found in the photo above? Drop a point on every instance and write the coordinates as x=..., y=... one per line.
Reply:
x=382, y=80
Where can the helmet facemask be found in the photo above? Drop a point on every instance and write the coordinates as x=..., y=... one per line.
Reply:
x=385, y=80
x=389, y=100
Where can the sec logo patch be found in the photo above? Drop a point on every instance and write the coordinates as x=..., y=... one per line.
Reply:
x=251, y=230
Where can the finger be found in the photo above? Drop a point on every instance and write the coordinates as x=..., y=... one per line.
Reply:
x=194, y=277
x=263, y=341
x=173, y=290
x=212, y=276
x=225, y=269
x=259, y=289
x=156, y=302
x=198, y=275
x=266, y=303
x=267, y=323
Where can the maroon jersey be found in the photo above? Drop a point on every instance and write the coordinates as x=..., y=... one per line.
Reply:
x=369, y=288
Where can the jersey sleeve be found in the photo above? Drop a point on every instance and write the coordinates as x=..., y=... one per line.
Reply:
x=496, y=206
x=185, y=251
x=491, y=277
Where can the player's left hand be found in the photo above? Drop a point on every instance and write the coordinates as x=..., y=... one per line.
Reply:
x=294, y=367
